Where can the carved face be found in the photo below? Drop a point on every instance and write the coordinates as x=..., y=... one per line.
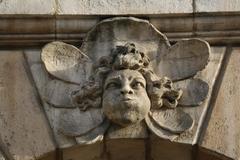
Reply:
x=125, y=99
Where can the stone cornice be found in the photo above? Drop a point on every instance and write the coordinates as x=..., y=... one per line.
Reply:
x=35, y=30
x=38, y=22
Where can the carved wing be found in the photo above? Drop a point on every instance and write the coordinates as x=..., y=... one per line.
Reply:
x=64, y=69
x=182, y=62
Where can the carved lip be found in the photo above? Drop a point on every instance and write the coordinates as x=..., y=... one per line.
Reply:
x=126, y=99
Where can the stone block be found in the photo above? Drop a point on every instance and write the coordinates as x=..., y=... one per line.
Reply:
x=122, y=149
x=204, y=154
x=27, y=25
x=217, y=6
x=173, y=24
x=217, y=23
x=75, y=24
x=123, y=7
x=24, y=128
x=222, y=131
x=39, y=7
x=86, y=152
x=165, y=149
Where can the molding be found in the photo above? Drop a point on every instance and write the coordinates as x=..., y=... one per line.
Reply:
x=38, y=30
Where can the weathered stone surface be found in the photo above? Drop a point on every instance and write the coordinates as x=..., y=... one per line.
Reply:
x=86, y=152
x=27, y=25
x=173, y=120
x=74, y=25
x=66, y=62
x=205, y=154
x=138, y=130
x=78, y=123
x=65, y=120
x=167, y=25
x=167, y=150
x=159, y=131
x=220, y=24
x=184, y=59
x=195, y=91
x=122, y=83
x=121, y=149
x=94, y=135
x=41, y=80
x=222, y=134
x=123, y=7
x=54, y=116
x=125, y=100
x=40, y=7
x=209, y=75
x=22, y=121
x=217, y=6
x=112, y=32
x=58, y=93
x=1, y=156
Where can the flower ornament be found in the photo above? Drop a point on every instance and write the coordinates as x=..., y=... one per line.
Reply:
x=125, y=72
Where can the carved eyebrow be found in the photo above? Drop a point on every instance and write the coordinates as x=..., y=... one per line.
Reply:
x=131, y=78
x=117, y=78
x=113, y=79
x=139, y=78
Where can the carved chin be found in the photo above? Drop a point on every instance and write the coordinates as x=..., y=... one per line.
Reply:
x=125, y=113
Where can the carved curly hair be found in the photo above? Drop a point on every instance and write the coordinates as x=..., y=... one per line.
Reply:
x=160, y=90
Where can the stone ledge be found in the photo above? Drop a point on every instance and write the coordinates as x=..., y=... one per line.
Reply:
x=72, y=29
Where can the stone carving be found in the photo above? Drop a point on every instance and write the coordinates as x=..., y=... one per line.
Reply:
x=125, y=73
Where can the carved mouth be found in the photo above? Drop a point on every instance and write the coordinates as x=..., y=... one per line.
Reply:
x=125, y=99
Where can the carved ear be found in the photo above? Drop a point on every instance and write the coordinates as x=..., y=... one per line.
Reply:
x=195, y=91
x=172, y=120
x=66, y=62
x=184, y=59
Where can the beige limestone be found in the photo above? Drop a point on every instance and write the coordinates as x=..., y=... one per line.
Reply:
x=123, y=149
x=24, y=128
x=87, y=152
x=222, y=134
x=27, y=25
x=39, y=7
x=167, y=150
x=75, y=25
x=1, y=156
x=209, y=74
x=123, y=7
x=122, y=86
x=217, y=5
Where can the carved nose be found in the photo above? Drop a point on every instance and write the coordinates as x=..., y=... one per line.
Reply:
x=126, y=90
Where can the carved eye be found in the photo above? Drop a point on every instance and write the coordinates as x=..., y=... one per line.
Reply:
x=112, y=85
x=138, y=85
